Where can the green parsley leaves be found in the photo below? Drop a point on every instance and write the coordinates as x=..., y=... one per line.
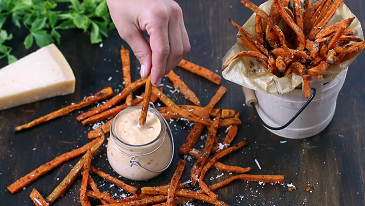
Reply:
x=44, y=18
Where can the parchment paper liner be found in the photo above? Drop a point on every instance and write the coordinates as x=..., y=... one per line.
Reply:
x=249, y=72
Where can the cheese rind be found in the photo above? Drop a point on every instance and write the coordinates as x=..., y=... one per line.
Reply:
x=42, y=74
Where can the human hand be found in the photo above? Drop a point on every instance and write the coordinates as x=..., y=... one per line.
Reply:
x=163, y=21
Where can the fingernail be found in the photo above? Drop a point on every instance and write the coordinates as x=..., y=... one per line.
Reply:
x=143, y=70
x=158, y=82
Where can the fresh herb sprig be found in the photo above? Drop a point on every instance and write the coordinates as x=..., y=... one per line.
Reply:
x=43, y=19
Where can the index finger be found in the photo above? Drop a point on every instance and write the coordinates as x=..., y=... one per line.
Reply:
x=160, y=48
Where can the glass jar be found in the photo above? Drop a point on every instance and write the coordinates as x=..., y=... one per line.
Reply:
x=139, y=161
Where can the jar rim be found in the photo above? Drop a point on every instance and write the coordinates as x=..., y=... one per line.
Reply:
x=155, y=112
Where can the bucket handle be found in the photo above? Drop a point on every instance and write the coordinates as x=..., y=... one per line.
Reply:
x=251, y=100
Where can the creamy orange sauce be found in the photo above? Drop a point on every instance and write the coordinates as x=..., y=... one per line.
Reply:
x=141, y=138
x=129, y=131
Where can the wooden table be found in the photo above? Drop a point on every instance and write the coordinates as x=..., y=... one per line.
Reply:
x=332, y=161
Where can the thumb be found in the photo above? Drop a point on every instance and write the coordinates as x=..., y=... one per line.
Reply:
x=142, y=51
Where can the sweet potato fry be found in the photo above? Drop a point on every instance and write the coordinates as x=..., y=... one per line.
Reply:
x=143, y=201
x=198, y=128
x=313, y=18
x=35, y=174
x=271, y=37
x=350, y=38
x=96, y=190
x=37, y=198
x=249, y=177
x=295, y=54
x=98, y=131
x=146, y=101
x=259, y=30
x=331, y=58
x=323, y=21
x=252, y=47
x=114, y=180
x=306, y=83
x=307, y=4
x=296, y=28
x=287, y=31
x=75, y=171
x=168, y=114
x=255, y=45
x=198, y=166
x=313, y=48
x=201, y=71
x=104, y=197
x=349, y=32
x=298, y=68
x=226, y=113
x=326, y=7
x=268, y=21
x=334, y=27
x=229, y=122
x=113, y=101
x=183, y=193
x=85, y=178
x=174, y=181
x=309, y=11
x=280, y=64
x=196, y=153
x=232, y=132
x=209, y=164
x=319, y=69
x=160, y=204
x=153, y=98
x=252, y=54
x=126, y=67
x=110, y=112
x=183, y=88
x=101, y=95
x=351, y=51
x=167, y=101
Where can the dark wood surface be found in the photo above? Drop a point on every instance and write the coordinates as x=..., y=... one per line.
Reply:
x=332, y=161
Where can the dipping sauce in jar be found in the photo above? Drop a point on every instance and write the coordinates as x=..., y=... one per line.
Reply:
x=139, y=152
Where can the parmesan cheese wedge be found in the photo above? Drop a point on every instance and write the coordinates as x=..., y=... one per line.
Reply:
x=42, y=74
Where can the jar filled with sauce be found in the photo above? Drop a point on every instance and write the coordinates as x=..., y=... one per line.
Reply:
x=139, y=152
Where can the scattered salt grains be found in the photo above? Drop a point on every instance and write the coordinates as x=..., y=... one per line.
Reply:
x=96, y=125
x=258, y=164
x=282, y=142
x=101, y=45
x=34, y=149
x=110, y=78
x=187, y=157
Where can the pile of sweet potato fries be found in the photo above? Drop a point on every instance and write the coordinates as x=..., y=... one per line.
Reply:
x=304, y=45
x=173, y=193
